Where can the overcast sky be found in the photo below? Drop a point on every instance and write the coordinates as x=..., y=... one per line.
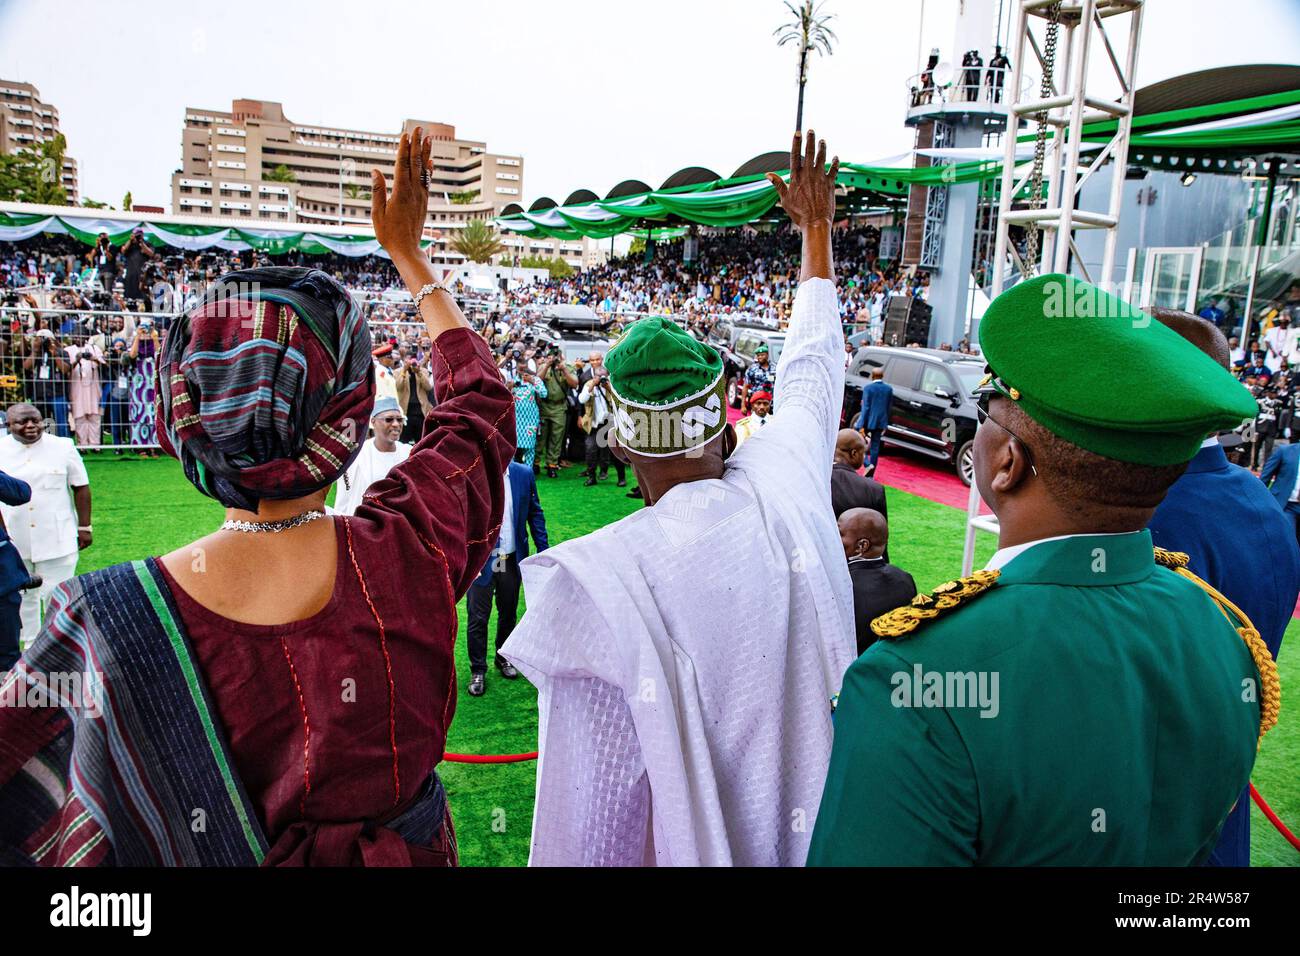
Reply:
x=589, y=91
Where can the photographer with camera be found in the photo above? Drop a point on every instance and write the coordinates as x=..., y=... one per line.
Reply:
x=84, y=392
x=135, y=253
x=561, y=383
x=143, y=354
x=414, y=393
x=45, y=370
x=104, y=258
x=528, y=390
x=596, y=399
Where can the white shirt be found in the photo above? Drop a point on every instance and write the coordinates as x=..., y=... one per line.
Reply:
x=371, y=465
x=600, y=407
x=385, y=382
x=1003, y=556
x=1277, y=342
x=686, y=720
x=46, y=527
x=506, y=547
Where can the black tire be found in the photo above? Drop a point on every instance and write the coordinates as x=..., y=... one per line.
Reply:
x=733, y=391
x=964, y=462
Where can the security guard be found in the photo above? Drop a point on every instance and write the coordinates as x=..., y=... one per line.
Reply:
x=760, y=405
x=1081, y=701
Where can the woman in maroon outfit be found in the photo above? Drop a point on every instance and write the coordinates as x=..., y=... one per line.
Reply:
x=328, y=647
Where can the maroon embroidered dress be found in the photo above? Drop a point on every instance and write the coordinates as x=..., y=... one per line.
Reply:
x=341, y=718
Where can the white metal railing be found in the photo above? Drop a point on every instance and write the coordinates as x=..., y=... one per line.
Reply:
x=989, y=91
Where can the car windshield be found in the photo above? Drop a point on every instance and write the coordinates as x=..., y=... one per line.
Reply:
x=968, y=376
x=583, y=350
x=774, y=347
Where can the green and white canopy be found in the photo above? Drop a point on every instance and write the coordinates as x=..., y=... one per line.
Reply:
x=19, y=221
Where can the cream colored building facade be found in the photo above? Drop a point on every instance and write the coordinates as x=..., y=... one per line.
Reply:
x=26, y=121
x=229, y=164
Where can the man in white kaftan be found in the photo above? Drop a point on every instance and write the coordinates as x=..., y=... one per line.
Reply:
x=379, y=455
x=687, y=656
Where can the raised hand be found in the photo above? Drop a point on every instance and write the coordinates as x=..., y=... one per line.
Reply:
x=398, y=218
x=809, y=196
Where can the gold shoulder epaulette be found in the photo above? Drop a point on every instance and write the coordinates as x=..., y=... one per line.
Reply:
x=1270, y=691
x=902, y=621
x=1170, y=559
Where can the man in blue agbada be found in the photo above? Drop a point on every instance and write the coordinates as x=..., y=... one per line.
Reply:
x=1083, y=700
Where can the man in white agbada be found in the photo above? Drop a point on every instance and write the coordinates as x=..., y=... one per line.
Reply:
x=379, y=454
x=676, y=725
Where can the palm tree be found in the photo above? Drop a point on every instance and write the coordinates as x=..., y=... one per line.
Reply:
x=356, y=192
x=809, y=29
x=477, y=242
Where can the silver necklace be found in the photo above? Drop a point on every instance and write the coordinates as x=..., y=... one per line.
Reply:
x=284, y=524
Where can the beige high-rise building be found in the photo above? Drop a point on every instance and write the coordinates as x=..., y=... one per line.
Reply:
x=253, y=165
x=26, y=121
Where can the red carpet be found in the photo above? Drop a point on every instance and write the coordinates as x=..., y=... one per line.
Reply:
x=915, y=474
x=925, y=477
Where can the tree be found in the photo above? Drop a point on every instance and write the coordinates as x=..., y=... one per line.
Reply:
x=557, y=267
x=464, y=197
x=35, y=174
x=281, y=174
x=809, y=29
x=126, y=201
x=477, y=242
x=89, y=203
x=357, y=192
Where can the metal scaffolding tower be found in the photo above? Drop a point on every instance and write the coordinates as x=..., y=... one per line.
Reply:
x=1063, y=105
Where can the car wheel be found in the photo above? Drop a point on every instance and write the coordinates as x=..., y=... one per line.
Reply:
x=733, y=392
x=966, y=462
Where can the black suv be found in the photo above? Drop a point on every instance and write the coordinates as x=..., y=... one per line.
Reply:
x=738, y=344
x=578, y=330
x=932, y=411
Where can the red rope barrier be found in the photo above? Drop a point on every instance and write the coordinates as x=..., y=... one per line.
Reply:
x=1273, y=818
x=489, y=758
x=519, y=758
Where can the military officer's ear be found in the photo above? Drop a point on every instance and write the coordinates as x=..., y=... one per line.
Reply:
x=1013, y=465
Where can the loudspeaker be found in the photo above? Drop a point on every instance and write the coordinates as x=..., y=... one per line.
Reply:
x=907, y=321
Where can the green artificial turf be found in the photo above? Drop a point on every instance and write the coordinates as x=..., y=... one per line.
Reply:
x=145, y=507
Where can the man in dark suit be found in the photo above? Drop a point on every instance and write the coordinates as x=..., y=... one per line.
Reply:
x=874, y=418
x=522, y=514
x=1237, y=539
x=1279, y=474
x=14, y=577
x=848, y=488
x=878, y=586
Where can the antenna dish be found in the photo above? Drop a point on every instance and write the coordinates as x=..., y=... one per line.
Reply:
x=943, y=73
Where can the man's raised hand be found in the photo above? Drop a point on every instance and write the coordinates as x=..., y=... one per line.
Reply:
x=809, y=196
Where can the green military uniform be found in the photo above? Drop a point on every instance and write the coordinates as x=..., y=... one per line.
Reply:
x=553, y=410
x=1077, y=703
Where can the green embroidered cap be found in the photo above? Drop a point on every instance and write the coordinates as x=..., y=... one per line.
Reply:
x=668, y=389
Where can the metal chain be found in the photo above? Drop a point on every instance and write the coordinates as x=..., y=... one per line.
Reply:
x=1030, y=263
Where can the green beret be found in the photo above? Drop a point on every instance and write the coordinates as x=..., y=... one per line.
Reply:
x=1104, y=375
x=668, y=389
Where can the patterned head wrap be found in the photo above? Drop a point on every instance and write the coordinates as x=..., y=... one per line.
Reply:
x=265, y=387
